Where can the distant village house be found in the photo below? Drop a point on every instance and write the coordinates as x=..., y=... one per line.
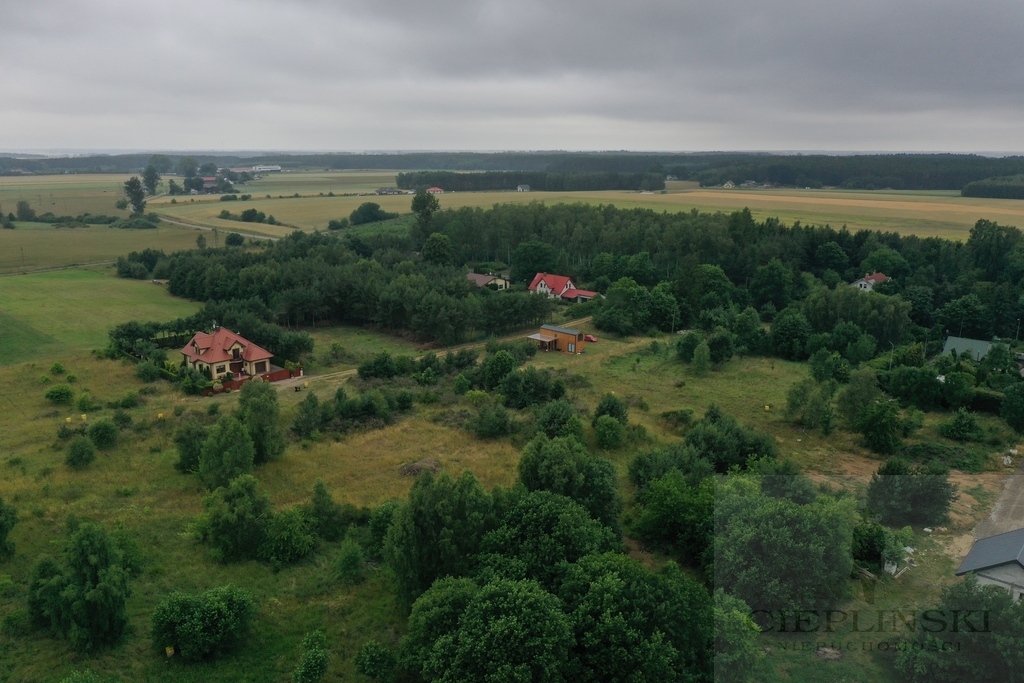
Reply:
x=435, y=190
x=522, y=188
x=975, y=349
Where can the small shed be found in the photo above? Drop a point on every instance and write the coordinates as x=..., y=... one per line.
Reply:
x=522, y=188
x=973, y=348
x=555, y=338
x=998, y=561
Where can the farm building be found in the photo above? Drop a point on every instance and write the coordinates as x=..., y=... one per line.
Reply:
x=972, y=348
x=435, y=190
x=868, y=282
x=492, y=281
x=998, y=561
x=555, y=338
x=559, y=286
x=226, y=355
x=522, y=188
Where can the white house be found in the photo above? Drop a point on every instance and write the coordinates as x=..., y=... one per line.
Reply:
x=868, y=282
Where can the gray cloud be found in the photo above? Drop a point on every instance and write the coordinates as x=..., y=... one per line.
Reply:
x=497, y=74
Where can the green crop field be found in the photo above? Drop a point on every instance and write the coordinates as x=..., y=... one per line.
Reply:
x=63, y=194
x=46, y=315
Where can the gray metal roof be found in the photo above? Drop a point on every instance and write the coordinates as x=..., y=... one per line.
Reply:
x=994, y=551
x=977, y=348
x=556, y=328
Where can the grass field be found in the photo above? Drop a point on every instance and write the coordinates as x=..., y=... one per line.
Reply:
x=46, y=315
x=38, y=245
x=64, y=195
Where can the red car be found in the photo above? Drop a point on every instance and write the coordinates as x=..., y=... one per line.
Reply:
x=589, y=338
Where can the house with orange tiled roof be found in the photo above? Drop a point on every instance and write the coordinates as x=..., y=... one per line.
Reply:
x=226, y=355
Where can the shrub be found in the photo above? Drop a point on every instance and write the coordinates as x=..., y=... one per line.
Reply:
x=189, y=439
x=313, y=665
x=350, y=565
x=687, y=344
x=376, y=661
x=461, y=384
x=130, y=400
x=558, y=418
x=80, y=453
x=61, y=394
x=148, y=372
x=962, y=427
x=612, y=406
x=86, y=403
x=122, y=418
x=203, y=626
x=103, y=433
x=57, y=369
x=289, y=538
x=491, y=422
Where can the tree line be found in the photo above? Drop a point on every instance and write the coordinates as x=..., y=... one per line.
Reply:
x=546, y=181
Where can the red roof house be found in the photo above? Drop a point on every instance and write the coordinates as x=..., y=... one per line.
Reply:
x=225, y=353
x=868, y=282
x=435, y=190
x=559, y=286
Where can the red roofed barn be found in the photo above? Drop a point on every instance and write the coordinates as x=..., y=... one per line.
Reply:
x=559, y=286
x=225, y=353
x=868, y=282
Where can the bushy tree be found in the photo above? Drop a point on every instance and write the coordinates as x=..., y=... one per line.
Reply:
x=236, y=520
x=678, y=516
x=491, y=422
x=8, y=518
x=790, y=333
x=497, y=367
x=351, y=563
x=203, y=626
x=488, y=646
x=1012, y=408
x=613, y=406
x=880, y=424
x=540, y=531
x=861, y=391
x=289, y=538
x=701, y=362
x=634, y=624
x=737, y=654
x=559, y=418
x=80, y=453
x=438, y=532
x=135, y=195
x=61, y=394
x=329, y=518
x=900, y=494
x=83, y=597
x=259, y=411
x=609, y=432
x=150, y=179
x=227, y=453
x=687, y=344
x=376, y=661
x=103, y=433
x=810, y=559
x=723, y=442
x=563, y=466
x=189, y=439
x=310, y=416
x=438, y=249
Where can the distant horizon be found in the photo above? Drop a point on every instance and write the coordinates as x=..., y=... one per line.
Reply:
x=61, y=152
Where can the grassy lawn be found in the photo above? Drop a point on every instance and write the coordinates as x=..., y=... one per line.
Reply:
x=44, y=316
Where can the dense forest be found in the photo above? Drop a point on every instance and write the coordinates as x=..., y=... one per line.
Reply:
x=1007, y=187
x=854, y=171
x=544, y=181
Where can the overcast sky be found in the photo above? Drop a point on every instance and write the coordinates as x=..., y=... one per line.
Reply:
x=679, y=75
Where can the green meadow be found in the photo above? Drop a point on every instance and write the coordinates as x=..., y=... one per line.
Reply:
x=47, y=315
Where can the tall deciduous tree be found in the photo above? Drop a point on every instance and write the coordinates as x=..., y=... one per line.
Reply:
x=227, y=453
x=135, y=195
x=259, y=410
x=150, y=179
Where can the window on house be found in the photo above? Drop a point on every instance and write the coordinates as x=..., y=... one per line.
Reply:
x=220, y=369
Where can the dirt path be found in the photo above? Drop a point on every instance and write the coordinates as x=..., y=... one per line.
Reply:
x=1008, y=512
x=344, y=374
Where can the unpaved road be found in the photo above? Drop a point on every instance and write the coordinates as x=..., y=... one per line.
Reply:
x=1008, y=512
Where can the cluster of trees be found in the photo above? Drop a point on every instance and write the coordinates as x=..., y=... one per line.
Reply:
x=303, y=279
x=465, y=560
x=374, y=408
x=369, y=212
x=249, y=215
x=546, y=181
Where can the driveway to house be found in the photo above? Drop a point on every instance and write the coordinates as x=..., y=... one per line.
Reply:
x=1008, y=512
